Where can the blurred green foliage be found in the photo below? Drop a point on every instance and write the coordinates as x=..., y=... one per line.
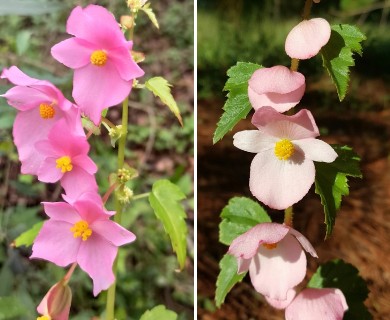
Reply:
x=147, y=274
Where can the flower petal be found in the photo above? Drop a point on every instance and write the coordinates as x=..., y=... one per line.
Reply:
x=304, y=242
x=74, y=53
x=26, y=98
x=89, y=210
x=282, y=304
x=299, y=126
x=274, y=272
x=245, y=246
x=317, y=150
x=321, y=304
x=61, y=211
x=55, y=243
x=124, y=63
x=77, y=182
x=307, y=38
x=280, y=183
x=85, y=163
x=253, y=141
x=48, y=171
x=113, y=232
x=95, y=257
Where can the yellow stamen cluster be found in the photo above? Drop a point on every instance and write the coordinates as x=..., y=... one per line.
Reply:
x=270, y=246
x=64, y=163
x=46, y=111
x=81, y=229
x=44, y=318
x=284, y=149
x=99, y=58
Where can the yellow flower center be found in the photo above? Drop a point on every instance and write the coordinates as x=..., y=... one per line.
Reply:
x=44, y=318
x=81, y=229
x=64, y=163
x=46, y=111
x=270, y=246
x=99, y=58
x=284, y=149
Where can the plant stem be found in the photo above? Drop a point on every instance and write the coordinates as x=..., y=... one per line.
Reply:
x=306, y=9
x=140, y=196
x=69, y=273
x=110, y=305
x=288, y=216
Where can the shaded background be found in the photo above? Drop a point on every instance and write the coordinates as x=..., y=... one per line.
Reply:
x=159, y=148
x=255, y=31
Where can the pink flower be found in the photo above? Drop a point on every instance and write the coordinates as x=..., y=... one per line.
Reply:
x=283, y=171
x=81, y=233
x=319, y=304
x=100, y=56
x=40, y=105
x=56, y=303
x=276, y=87
x=274, y=256
x=65, y=158
x=307, y=38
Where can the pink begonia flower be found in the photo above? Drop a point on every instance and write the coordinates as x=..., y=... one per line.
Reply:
x=319, y=304
x=101, y=58
x=276, y=87
x=66, y=158
x=307, y=38
x=283, y=171
x=81, y=233
x=40, y=105
x=274, y=256
x=56, y=303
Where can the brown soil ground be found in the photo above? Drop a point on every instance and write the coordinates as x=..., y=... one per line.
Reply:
x=362, y=232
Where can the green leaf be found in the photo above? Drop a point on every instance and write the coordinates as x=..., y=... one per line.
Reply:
x=159, y=312
x=237, y=106
x=27, y=238
x=344, y=276
x=11, y=307
x=29, y=7
x=227, y=278
x=331, y=182
x=337, y=54
x=164, y=199
x=23, y=41
x=161, y=88
x=239, y=216
x=149, y=11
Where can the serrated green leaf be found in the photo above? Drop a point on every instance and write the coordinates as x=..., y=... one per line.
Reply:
x=149, y=11
x=227, y=278
x=164, y=199
x=159, y=312
x=337, y=54
x=161, y=88
x=237, y=105
x=27, y=238
x=11, y=307
x=331, y=182
x=239, y=216
x=344, y=276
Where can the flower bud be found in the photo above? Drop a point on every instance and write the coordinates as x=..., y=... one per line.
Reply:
x=126, y=174
x=127, y=22
x=115, y=133
x=124, y=195
x=135, y=5
x=56, y=303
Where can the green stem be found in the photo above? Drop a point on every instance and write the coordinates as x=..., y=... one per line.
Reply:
x=110, y=305
x=140, y=196
x=288, y=216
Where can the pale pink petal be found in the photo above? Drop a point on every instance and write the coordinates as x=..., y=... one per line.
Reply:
x=307, y=38
x=26, y=98
x=77, y=182
x=61, y=211
x=74, y=53
x=113, y=232
x=277, y=79
x=282, y=304
x=48, y=172
x=304, y=242
x=319, y=304
x=317, y=150
x=253, y=141
x=92, y=196
x=47, y=149
x=243, y=265
x=86, y=163
x=245, y=246
x=124, y=63
x=96, y=25
x=280, y=102
x=280, y=183
x=19, y=78
x=55, y=243
x=274, y=272
x=89, y=210
x=95, y=257
x=299, y=126
x=97, y=88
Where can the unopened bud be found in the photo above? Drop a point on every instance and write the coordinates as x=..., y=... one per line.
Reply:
x=56, y=303
x=115, y=133
x=124, y=195
x=127, y=22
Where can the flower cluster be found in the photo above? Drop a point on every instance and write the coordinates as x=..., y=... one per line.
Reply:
x=281, y=174
x=53, y=146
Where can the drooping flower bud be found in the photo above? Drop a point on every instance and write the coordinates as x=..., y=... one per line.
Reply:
x=56, y=303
